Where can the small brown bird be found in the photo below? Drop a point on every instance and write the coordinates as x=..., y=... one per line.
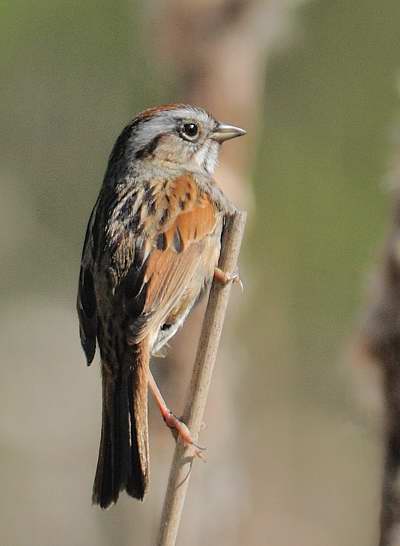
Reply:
x=151, y=250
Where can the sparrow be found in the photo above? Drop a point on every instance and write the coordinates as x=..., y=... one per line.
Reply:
x=151, y=251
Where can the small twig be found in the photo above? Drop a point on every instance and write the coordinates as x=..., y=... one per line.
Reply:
x=202, y=372
x=380, y=341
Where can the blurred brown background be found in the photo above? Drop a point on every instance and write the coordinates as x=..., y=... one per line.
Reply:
x=292, y=457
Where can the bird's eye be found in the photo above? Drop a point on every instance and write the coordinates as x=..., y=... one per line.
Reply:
x=190, y=130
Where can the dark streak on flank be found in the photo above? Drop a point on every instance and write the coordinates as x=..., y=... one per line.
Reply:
x=164, y=217
x=133, y=223
x=148, y=196
x=152, y=207
x=127, y=206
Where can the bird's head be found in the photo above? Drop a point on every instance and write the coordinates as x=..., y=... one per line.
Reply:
x=180, y=135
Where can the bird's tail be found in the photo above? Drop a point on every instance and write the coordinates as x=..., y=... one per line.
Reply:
x=123, y=462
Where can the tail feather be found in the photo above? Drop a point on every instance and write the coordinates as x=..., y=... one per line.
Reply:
x=123, y=462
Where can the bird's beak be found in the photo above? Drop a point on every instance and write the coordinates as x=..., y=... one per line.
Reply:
x=223, y=132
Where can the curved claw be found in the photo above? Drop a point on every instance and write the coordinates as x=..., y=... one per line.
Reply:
x=199, y=453
x=237, y=280
x=225, y=278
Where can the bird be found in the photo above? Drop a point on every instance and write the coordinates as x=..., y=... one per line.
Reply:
x=150, y=252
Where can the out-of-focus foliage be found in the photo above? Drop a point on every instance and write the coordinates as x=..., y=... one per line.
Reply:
x=72, y=74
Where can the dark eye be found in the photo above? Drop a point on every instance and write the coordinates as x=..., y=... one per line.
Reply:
x=190, y=130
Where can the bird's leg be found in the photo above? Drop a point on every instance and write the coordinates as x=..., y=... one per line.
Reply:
x=225, y=278
x=178, y=427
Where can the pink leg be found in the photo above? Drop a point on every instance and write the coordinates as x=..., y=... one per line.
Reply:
x=176, y=425
x=225, y=278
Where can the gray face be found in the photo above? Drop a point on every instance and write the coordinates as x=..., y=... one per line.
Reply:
x=181, y=135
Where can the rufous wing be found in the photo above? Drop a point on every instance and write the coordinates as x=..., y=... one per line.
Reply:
x=182, y=243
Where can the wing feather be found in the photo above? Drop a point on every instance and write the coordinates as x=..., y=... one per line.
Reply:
x=178, y=236
x=86, y=300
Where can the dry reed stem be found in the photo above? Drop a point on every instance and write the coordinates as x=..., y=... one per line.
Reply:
x=200, y=383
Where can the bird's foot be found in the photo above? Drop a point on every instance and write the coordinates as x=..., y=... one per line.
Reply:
x=182, y=433
x=225, y=278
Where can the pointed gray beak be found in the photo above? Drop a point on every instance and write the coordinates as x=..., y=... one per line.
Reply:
x=223, y=132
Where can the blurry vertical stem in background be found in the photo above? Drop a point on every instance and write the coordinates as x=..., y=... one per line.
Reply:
x=201, y=379
x=380, y=342
x=217, y=51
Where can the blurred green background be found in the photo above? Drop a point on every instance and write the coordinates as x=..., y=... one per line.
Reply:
x=72, y=74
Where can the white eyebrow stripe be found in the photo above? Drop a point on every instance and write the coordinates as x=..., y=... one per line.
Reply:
x=164, y=122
